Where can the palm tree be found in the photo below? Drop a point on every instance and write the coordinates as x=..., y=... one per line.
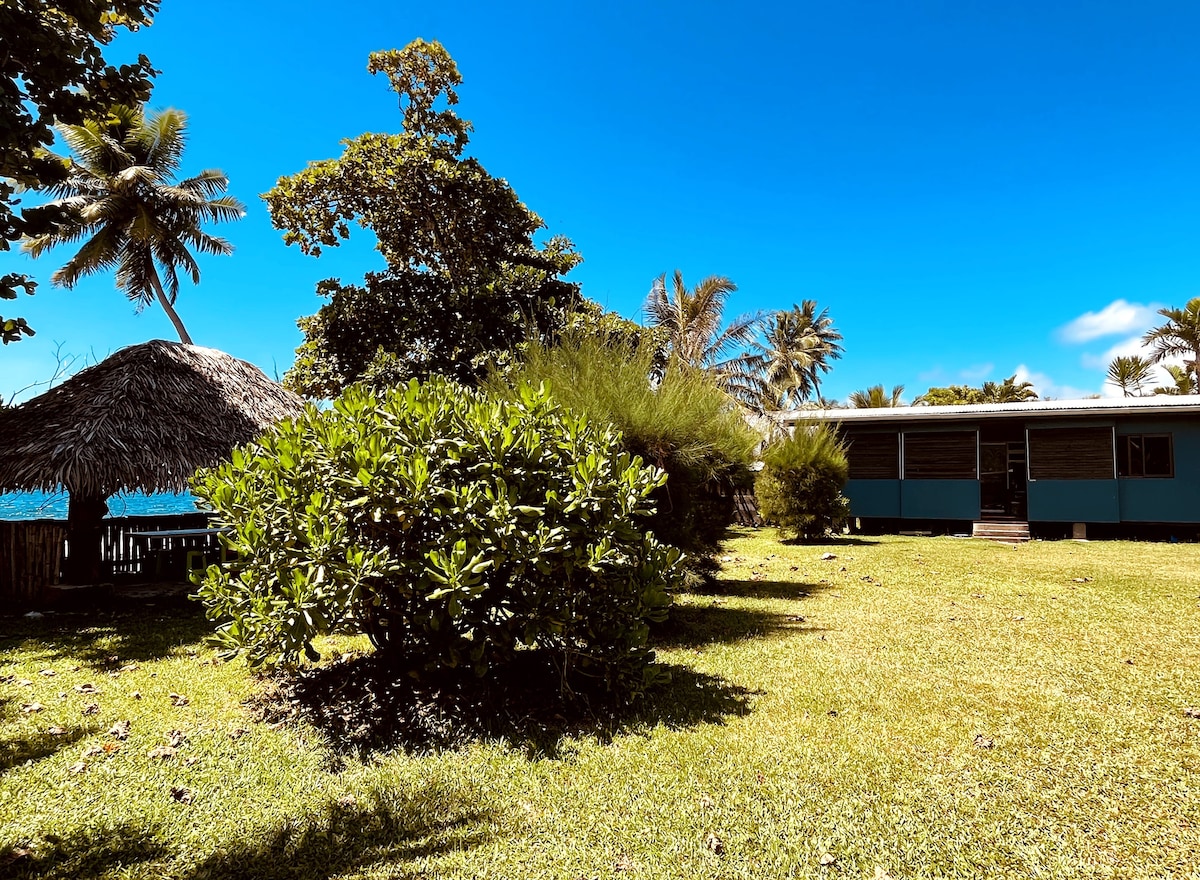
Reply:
x=1179, y=337
x=785, y=368
x=1007, y=391
x=876, y=398
x=692, y=320
x=1130, y=374
x=1184, y=383
x=119, y=200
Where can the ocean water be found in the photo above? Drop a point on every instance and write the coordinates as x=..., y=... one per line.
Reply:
x=43, y=505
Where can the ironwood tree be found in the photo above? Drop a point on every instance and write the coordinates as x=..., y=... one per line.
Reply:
x=465, y=281
x=53, y=71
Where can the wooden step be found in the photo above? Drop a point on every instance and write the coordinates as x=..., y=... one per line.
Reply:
x=1007, y=532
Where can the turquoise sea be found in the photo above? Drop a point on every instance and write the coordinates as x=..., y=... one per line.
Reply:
x=43, y=505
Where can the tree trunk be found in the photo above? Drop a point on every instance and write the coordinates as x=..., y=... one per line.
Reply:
x=168, y=308
x=84, y=516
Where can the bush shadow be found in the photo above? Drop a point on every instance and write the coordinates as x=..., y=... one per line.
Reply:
x=344, y=837
x=362, y=707
x=694, y=626
x=757, y=589
x=110, y=636
x=22, y=750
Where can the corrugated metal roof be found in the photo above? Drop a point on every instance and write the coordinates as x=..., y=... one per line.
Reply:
x=1157, y=405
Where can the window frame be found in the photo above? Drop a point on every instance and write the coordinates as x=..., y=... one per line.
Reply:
x=1124, y=456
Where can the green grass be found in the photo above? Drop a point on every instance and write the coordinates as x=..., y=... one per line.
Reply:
x=838, y=708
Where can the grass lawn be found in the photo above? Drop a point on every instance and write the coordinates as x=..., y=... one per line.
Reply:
x=914, y=707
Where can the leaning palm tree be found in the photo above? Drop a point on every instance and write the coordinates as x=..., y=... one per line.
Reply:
x=1179, y=337
x=693, y=321
x=1130, y=374
x=876, y=398
x=120, y=201
x=785, y=368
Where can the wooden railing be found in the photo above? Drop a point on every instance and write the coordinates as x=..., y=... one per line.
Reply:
x=32, y=552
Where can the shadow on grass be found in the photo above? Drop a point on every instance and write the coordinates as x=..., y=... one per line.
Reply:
x=694, y=626
x=755, y=589
x=110, y=635
x=346, y=837
x=41, y=745
x=362, y=707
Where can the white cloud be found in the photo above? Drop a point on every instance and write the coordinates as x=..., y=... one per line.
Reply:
x=1047, y=388
x=976, y=372
x=1118, y=316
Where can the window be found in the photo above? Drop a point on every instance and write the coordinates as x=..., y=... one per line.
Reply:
x=873, y=456
x=1070, y=453
x=1144, y=455
x=940, y=455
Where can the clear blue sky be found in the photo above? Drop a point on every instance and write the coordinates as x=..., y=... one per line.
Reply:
x=959, y=183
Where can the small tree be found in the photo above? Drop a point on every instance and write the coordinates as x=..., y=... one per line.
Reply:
x=1130, y=374
x=800, y=486
x=876, y=398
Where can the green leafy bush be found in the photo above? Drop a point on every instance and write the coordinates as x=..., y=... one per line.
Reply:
x=453, y=527
x=672, y=417
x=800, y=486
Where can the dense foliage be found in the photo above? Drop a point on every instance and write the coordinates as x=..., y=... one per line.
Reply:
x=1008, y=391
x=1179, y=337
x=672, y=416
x=453, y=527
x=800, y=486
x=52, y=69
x=465, y=281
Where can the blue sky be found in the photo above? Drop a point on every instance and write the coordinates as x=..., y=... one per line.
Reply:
x=971, y=189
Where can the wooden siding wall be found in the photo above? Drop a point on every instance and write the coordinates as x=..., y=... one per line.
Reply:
x=1071, y=454
x=940, y=455
x=873, y=456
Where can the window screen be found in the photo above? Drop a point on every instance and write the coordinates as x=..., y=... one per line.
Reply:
x=1070, y=453
x=873, y=456
x=941, y=455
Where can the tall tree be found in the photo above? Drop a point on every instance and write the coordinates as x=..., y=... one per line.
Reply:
x=120, y=201
x=52, y=69
x=876, y=398
x=1130, y=373
x=1008, y=391
x=798, y=346
x=1179, y=337
x=465, y=282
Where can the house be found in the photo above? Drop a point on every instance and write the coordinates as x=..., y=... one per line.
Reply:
x=1128, y=466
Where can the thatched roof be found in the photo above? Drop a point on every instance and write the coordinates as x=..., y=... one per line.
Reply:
x=144, y=418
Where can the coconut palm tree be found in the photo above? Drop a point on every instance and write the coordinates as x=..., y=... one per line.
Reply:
x=876, y=398
x=1130, y=374
x=785, y=368
x=1008, y=391
x=1179, y=337
x=693, y=322
x=120, y=201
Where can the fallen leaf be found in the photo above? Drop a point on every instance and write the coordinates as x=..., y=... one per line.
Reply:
x=1192, y=712
x=881, y=874
x=49, y=673
x=91, y=709
x=706, y=802
x=178, y=700
x=176, y=738
x=827, y=859
x=828, y=556
x=137, y=695
x=77, y=767
x=1082, y=580
x=92, y=752
x=163, y=752
x=347, y=801
x=832, y=713
x=88, y=688
x=715, y=844
x=181, y=794
x=797, y=618
x=984, y=742
x=30, y=708
x=128, y=667
x=1129, y=662
x=120, y=730
x=24, y=682
x=238, y=733
x=623, y=863
x=192, y=761
x=57, y=731
x=111, y=747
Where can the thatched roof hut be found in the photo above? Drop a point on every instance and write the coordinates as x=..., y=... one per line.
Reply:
x=144, y=418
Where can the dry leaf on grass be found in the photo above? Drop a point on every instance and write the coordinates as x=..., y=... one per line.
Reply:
x=92, y=751
x=181, y=794
x=77, y=767
x=87, y=688
x=827, y=859
x=984, y=742
x=120, y=730
x=49, y=673
x=163, y=752
x=715, y=844
x=1192, y=712
x=91, y=709
x=238, y=732
x=176, y=738
x=178, y=700
x=57, y=731
x=30, y=708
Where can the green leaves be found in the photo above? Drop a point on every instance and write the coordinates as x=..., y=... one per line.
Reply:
x=450, y=526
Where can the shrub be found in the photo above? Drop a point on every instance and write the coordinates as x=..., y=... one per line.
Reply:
x=681, y=423
x=800, y=486
x=454, y=528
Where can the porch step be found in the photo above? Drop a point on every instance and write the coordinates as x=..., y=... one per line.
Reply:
x=1007, y=532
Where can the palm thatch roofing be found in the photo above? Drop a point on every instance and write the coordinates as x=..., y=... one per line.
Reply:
x=144, y=418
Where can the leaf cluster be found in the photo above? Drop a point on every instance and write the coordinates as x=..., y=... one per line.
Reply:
x=453, y=527
x=799, y=489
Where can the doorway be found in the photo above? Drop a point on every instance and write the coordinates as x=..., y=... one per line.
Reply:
x=1002, y=480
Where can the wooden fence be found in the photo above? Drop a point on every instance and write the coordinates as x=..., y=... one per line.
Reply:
x=32, y=552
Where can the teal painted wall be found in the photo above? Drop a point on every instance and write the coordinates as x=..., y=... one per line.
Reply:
x=1150, y=499
x=1073, y=501
x=874, y=498
x=939, y=499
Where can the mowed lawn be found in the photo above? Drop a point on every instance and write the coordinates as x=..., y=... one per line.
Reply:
x=911, y=707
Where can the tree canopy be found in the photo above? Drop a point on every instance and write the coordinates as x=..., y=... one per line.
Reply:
x=465, y=281
x=1008, y=391
x=1179, y=337
x=52, y=70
